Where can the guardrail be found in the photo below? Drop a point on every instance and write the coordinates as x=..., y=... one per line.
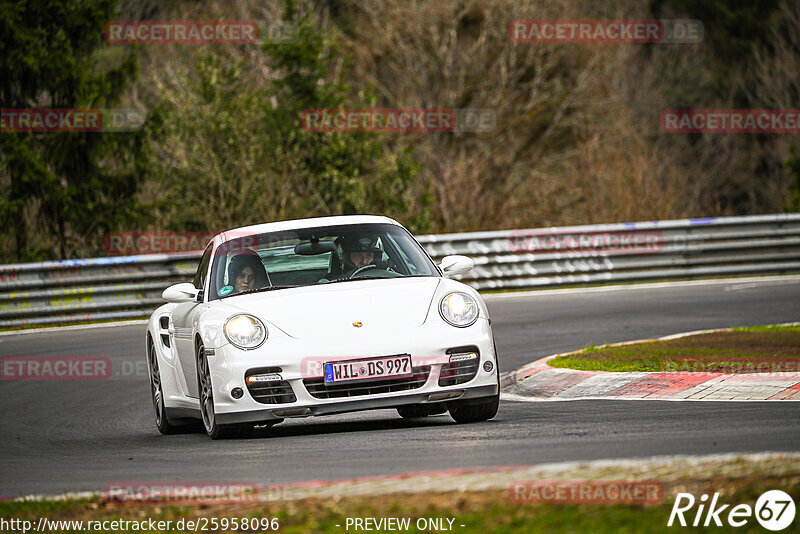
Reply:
x=70, y=291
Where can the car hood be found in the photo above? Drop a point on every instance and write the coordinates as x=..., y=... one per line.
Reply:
x=383, y=305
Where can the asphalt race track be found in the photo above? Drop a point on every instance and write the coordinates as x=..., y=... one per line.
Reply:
x=58, y=436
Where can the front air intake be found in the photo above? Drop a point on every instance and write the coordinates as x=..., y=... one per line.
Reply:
x=266, y=386
x=462, y=367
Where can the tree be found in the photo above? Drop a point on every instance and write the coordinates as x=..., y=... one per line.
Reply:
x=335, y=172
x=70, y=185
x=226, y=135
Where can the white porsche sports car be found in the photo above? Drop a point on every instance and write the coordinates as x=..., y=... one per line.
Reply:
x=316, y=317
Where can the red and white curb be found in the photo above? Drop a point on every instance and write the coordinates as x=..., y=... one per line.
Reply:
x=538, y=381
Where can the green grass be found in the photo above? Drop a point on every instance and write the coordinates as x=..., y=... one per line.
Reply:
x=741, y=350
x=482, y=512
x=767, y=328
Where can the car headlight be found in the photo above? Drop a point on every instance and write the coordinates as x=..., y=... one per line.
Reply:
x=459, y=309
x=245, y=331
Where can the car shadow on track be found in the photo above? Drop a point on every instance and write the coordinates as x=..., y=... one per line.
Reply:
x=336, y=424
x=312, y=428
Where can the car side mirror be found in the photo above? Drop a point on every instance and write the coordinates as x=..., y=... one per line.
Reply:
x=455, y=265
x=185, y=292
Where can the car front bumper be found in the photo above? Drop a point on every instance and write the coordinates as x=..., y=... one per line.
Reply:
x=352, y=405
x=427, y=345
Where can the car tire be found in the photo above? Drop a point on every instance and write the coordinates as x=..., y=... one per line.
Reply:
x=165, y=424
x=415, y=411
x=205, y=392
x=474, y=411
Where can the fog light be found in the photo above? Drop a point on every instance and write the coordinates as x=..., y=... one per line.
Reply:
x=487, y=366
x=237, y=393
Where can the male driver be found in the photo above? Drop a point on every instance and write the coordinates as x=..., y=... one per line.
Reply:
x=359, y=253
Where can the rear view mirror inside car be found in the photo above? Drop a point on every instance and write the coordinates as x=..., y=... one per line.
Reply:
x=313, y=248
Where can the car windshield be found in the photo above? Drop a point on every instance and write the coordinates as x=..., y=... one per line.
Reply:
x=308, y=256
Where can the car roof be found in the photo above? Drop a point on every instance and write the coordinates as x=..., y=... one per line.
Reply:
x=294, y=224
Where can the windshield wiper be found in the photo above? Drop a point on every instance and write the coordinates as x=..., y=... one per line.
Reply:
x=262, y=289
x=362, y=278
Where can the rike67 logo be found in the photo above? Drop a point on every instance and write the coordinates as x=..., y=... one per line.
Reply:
x=774, y=510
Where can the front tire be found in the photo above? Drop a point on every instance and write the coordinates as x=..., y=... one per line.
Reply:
x=213, y=429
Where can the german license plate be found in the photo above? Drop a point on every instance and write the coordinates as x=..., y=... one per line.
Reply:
x=368, y=369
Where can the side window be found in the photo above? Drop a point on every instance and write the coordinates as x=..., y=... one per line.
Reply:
x=202, y=269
